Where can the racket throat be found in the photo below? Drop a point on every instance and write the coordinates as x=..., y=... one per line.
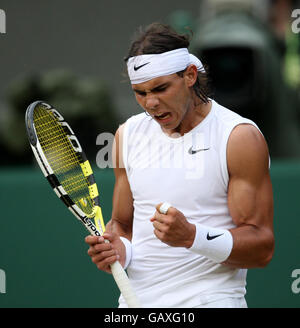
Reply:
x=98, y=219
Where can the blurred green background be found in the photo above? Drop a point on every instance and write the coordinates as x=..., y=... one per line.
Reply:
x=70, y=54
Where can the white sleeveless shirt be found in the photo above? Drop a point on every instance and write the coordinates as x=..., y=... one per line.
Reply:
x=190, y=172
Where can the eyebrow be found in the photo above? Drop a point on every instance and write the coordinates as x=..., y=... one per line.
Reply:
x=165, y=84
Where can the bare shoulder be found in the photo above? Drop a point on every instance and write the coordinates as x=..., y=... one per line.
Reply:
x=247, y=151
x=119, y=131
x=118, y=148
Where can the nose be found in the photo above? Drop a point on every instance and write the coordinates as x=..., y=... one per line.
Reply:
x=152, y=102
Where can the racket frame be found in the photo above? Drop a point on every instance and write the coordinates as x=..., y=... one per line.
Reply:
x=49, y=174
x=118, y=272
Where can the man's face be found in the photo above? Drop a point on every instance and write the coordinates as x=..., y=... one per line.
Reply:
x=167, y=99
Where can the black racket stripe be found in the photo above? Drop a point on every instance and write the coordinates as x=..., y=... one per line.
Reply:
x=52, y=179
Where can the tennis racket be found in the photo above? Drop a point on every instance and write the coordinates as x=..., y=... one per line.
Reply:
x=65, y=166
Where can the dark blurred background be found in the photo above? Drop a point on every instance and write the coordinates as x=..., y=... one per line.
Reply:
x=70, y=54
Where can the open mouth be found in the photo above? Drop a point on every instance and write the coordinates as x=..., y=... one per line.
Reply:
x=163, y=116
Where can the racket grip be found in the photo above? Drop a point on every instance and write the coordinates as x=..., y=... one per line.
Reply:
x=124, y=285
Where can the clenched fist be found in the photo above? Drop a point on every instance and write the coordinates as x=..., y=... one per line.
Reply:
x=173, y=228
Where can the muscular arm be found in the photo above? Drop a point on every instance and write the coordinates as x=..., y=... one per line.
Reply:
x=122, y=211
x=104, y=254
x=250, y=198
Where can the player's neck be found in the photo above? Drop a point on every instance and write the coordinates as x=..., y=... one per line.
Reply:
x=193, y=117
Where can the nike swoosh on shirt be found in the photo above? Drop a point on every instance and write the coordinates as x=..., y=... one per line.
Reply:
x=192, y=151
x=138, y=67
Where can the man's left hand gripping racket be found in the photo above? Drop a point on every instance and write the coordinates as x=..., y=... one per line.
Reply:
x=64, y=164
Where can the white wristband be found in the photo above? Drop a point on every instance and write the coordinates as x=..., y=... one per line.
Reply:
x=128, y=246
x=214, y=243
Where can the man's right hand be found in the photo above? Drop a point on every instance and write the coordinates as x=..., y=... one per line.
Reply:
x=103, y=254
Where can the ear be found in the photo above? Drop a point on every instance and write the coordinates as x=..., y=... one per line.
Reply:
x=191, y=75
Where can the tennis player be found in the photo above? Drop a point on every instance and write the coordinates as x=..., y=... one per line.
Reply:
x=192, y=203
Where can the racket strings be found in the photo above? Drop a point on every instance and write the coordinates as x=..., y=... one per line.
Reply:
x=55, y=142
x=57, y=149
x=63, y=159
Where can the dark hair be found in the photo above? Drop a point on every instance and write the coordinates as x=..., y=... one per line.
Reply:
x=157, y=38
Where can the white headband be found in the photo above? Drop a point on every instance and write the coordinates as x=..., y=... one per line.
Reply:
x=147, y=67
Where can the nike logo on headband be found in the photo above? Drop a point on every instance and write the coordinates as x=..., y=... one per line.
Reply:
x=138, y=67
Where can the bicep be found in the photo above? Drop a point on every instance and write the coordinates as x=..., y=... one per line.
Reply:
x=122, y=210
x=250, y=203
x=250, y=197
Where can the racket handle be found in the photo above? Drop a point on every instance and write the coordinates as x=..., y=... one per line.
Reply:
x=118, y=273
x=123, y=283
